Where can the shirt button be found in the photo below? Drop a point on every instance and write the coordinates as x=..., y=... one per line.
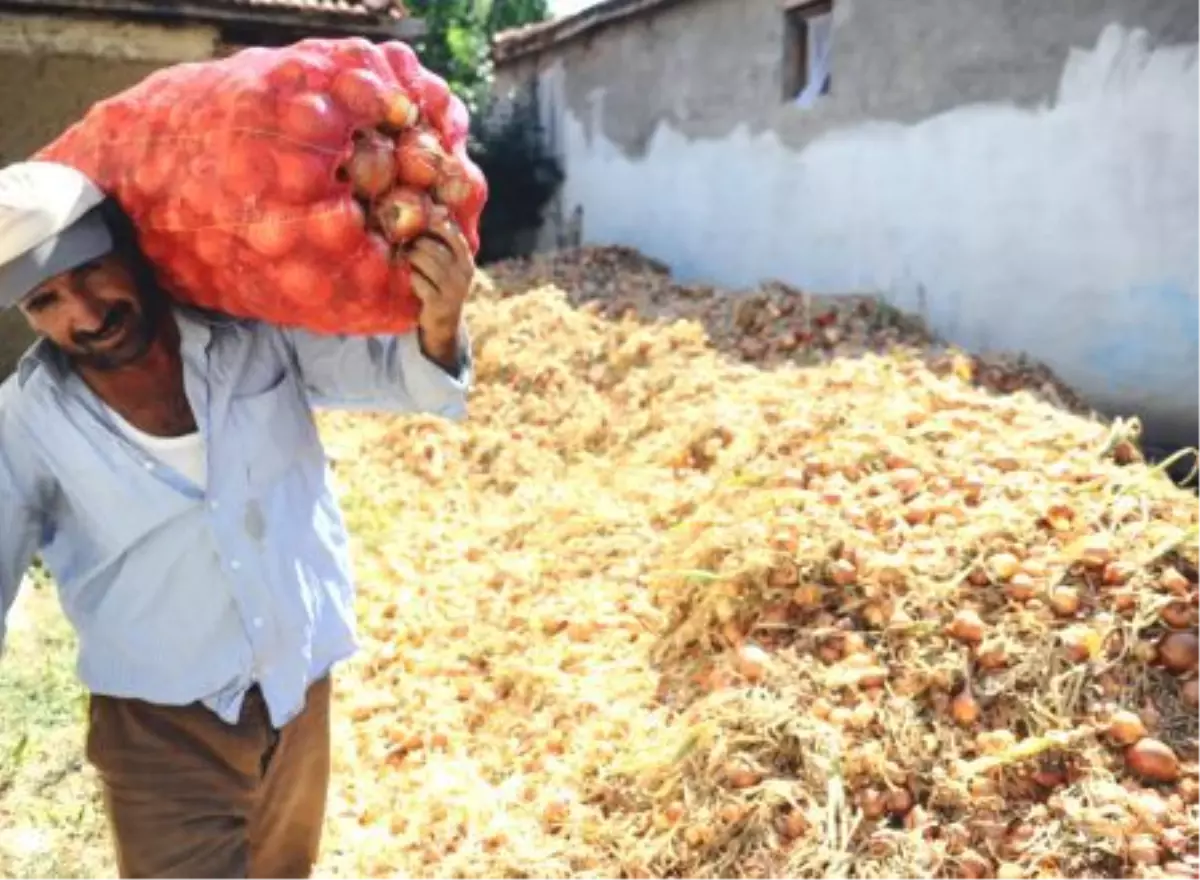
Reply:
x=214, y=504
x=148, y=465
x=258, y=622
x=235, y=565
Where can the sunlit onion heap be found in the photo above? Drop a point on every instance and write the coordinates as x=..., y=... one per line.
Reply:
x=678, y=600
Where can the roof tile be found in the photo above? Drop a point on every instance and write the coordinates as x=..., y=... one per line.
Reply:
x=372, y=8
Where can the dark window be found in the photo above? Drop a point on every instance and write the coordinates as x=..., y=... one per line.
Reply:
x=808, y=33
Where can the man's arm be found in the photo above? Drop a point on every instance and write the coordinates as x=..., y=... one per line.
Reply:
x=427, y=370
x=20, y=536
x=383, y=372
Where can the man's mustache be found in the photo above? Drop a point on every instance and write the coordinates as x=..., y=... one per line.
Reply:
x=112, y=319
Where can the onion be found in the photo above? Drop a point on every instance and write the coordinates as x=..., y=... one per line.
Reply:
x=1082, y=643
x=1126, y=727
x=1144, y=652
x=973, y=866
x=1124, y=601
x=872, y=802
x=402, y=214
x=852, y=642
x=990, y=829
x=741, y=776
x=419, y=158
x=1064, y=600
x=1150, y=808
x=862, y=715
x=843, y=572
x=1009, y=871
x=991, y=742
x=964, y=708
x=1178, y=651
x=400, y=111
x=337, y=226
x=776, y=615
x=1034, y=568
x=362, y=93
x=1142, y=849
x=752, y=662
x=1096, y=550
x=731, y=814
x=302, y=175
x=1048, y=777
x=1110, y=685
x=1020, y=588
x=372, y=166
x=876, y=614
x=303, y=279
x=1116, y=573
x=916, y=818
x=784, y=574
x=312, y=119
x=1020, y=837
x=455, y=185
x=1177, y=615
x=274, y=235
x=991, y=655
x=1004, y=565
x=1191, y=692
x=1150, y=715
x=807, y=596
x=1152, y=760
x=899, y=801
x=966, y=626
x=1189, y=789
x=981, y=787
x=955, y=838
x=1173, y=582
x=793, y=824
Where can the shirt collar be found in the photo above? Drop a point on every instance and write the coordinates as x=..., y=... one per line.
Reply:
x=196, y=327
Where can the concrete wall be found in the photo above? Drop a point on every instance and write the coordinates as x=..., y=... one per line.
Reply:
x=51, y=71
x=38, y=99
x=1021, y=172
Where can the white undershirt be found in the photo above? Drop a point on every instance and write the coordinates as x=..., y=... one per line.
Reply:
x=185, y=454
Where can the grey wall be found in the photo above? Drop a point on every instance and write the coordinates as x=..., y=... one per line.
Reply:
x=709, y=66
x=1021, y=172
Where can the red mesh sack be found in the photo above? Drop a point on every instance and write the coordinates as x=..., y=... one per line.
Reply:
x=284, y=184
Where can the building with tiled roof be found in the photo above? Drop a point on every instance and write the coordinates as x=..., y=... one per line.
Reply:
x=370, y=18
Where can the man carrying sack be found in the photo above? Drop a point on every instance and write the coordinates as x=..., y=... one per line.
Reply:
x=166, y=465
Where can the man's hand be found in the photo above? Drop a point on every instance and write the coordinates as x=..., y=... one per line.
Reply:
x=442, y=272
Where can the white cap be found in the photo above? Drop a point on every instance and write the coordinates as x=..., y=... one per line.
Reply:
x=48, y=225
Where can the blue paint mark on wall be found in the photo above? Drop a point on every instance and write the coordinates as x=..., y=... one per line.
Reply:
x=1154, y=352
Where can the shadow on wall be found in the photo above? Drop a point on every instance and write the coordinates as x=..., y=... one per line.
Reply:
x=15, y=337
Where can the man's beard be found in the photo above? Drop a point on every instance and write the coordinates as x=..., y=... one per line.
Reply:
x=123, y=338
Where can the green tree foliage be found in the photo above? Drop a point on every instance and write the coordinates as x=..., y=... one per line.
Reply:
x=459, y=35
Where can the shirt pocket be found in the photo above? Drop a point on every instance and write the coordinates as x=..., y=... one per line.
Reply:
x=273, y=429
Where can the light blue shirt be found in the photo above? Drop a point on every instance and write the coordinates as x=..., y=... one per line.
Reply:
x=180, y=594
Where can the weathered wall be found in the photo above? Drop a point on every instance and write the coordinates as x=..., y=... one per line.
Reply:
x=38, y=98
x=1022, y=172
x=51, y=71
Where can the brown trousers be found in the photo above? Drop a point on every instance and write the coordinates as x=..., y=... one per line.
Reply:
x=190, y=796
